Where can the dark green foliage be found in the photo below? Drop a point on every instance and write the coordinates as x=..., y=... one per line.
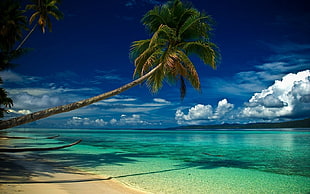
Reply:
x=5, y=101
x=7, y=57
x=12, y=23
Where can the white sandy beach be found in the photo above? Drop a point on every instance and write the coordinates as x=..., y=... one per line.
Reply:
x=23, y=174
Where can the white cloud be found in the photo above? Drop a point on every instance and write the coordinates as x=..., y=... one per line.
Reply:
x=9, y=76
x=133, y=120
x=12, y=77
x=27, y=101
x=23, y=112
x=203, y=113
x=223, y=107
x=113, y=121
x=276, y=67
x=123, y=121
x=160, y=100
x=85, y=122
x=289, y=97
x=286, y=98
x=31, y=91
x=131, y=105
x=114, y=100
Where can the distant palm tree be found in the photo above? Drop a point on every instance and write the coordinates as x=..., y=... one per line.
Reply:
x=178, y=30
x=43, y=10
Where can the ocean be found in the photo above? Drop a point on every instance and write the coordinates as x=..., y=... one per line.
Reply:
x=184, y=161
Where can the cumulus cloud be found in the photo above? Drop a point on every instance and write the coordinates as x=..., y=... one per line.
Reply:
x=85, y=122
x=286, y=98
x=125, y=120
x=122, y=121
x=203, y=113
x=289, y=97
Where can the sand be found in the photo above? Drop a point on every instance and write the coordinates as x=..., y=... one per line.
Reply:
x=25, y=173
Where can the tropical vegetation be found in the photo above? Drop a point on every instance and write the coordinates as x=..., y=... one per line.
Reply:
x=43, y=9
x=177, y=31
x=12, y=25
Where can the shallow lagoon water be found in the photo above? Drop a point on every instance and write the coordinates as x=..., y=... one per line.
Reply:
x=178, y=161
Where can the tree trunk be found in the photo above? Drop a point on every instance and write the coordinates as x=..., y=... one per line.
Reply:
x=27, y=36
x=69, y=107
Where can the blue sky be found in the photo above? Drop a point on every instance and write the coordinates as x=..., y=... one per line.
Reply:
x=263, y=75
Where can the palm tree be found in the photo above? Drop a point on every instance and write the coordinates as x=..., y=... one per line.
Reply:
x=43, y=9
x=178, y=30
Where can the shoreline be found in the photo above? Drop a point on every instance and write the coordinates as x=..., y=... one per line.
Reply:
x=26, y=173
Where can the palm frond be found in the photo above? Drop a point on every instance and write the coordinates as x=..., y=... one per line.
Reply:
x=184, y=15
x=163, y=35
x=198, y=28
x=33, y=17
x=56, y=14
x=155, y=81
x=31, y=6
x=151, y=61
x=138, y=47
x=159, y=16
x=191, y=72
x=206, y=51
x=143, y=62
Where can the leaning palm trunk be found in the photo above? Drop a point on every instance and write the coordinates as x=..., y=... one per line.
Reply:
x=27, y=36
x=69, y=107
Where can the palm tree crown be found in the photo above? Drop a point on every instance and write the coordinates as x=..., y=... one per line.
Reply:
x=178, y=30
x=44, y=8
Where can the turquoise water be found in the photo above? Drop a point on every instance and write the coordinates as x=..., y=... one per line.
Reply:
x=159, y=161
